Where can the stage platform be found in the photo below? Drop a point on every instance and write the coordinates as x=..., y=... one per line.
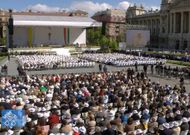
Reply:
x=59, y=51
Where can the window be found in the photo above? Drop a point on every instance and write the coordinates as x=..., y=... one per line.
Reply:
x=185, y=44
x=177, y=45
x=163, y=30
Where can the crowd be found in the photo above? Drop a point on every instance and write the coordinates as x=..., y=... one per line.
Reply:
x=170, y=56
x=104, y=103
x=120, y=60
x=167, y=70
x=41, y=62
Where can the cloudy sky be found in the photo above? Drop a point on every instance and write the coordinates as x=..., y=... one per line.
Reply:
x=90, y=6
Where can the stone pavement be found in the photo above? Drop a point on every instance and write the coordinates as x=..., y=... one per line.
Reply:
x=12, y=71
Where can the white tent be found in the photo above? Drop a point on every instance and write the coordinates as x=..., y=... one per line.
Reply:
x=35, y=30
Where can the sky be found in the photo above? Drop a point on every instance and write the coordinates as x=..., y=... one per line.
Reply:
x=91, y=6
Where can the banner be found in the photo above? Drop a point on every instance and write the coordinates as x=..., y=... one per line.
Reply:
x=30, y=37
x=66, y=32
x=68, y=36
x=137, y=38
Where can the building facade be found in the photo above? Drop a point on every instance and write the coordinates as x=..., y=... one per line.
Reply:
x=113, y=22
x=79, y=13
x=169, y=27
x=3, y=26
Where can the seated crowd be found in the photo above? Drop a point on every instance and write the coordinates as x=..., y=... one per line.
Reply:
x=109, y=103
x=39, y=62
x=120, y=60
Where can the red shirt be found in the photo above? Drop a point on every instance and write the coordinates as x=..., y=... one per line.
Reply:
x=53, y=119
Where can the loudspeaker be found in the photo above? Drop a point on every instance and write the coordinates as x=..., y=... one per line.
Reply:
x=10, y=26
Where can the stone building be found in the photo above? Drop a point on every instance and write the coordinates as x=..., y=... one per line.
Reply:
x=113, y=22
x=3, y=26
x=169, y=27
x=79, y=13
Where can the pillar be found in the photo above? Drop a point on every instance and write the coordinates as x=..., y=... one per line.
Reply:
x=168, y=23
x=171, y=23
x=151, y=21
x=174, y=26
x=189, y=32
x=189, y=23
x=161, y=24
x=182, y=22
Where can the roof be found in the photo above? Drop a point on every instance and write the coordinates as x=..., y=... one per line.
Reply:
x=67, y=21
x=31, y=13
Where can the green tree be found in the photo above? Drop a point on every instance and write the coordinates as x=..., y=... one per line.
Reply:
x=113, y=44
x=104, y=42
x=94, y=36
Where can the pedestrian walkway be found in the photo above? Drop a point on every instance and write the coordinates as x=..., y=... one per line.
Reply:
x=12, y=67
x=4, y=61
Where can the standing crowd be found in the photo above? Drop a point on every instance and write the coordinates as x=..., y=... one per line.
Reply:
x=167, y=70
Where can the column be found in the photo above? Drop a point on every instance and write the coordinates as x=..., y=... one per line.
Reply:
x=189, y=22
x=181, y=46
x=174, y=26
x=189, y=32
x=182, y=22
x=168, y=23
x=161, y=24
x=151, y=21
x=171, y=23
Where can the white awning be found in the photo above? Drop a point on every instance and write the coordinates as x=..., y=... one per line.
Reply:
x=23, y=20
x=55, y=23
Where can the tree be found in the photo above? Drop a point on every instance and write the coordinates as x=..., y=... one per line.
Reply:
x=94, y=36
x=104, y=42
x=113, y=44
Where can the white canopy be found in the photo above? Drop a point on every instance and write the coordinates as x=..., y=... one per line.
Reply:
x=66, y=21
